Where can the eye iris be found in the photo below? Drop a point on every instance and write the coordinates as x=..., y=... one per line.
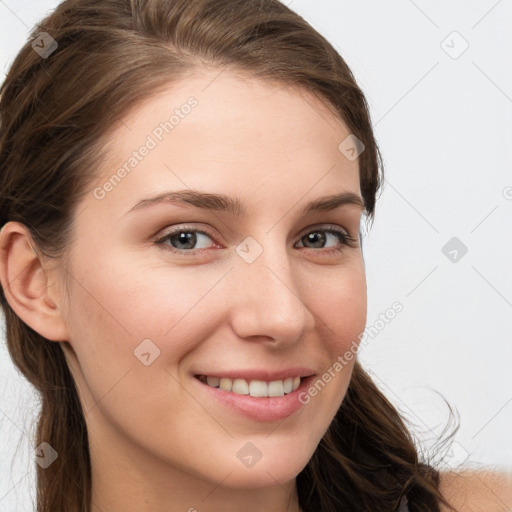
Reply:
x=312, y=236
x=185, y=237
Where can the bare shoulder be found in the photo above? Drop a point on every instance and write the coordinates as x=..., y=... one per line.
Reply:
x=485, y=490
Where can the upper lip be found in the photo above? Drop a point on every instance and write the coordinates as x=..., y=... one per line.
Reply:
x=260, y=374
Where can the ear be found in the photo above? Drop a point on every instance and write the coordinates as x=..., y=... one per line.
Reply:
x=24, y=275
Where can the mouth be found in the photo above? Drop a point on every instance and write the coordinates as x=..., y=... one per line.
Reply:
x=253, y=387
x=260, y=400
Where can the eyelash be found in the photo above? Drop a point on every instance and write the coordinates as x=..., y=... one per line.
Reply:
x=345, y=239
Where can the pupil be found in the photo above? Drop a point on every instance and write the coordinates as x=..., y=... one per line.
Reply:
x=312, y=236
x=186, y=238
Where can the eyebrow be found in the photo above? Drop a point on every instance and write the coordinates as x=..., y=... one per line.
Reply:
x=234, y=206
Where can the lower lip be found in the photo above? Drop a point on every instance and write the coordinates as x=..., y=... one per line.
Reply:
x=259, y=408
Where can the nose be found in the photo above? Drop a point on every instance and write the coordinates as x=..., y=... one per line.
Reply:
x=267, y=304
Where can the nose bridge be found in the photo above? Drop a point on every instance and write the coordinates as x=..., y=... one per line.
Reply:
x=268, y=302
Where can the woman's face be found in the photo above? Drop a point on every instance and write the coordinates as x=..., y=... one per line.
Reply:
x=162, y=291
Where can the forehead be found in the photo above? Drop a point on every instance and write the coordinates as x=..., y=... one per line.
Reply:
x=224, y=129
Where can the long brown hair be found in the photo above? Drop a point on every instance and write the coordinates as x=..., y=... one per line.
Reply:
x=56, y=110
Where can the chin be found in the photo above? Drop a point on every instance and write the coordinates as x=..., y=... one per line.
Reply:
x=260, y=479
x=277, y=469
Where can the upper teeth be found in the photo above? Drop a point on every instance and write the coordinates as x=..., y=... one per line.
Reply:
x=258, y=388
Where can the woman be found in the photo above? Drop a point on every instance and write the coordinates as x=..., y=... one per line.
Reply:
x=192, y=350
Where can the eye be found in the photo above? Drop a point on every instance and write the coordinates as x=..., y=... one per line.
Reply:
x=188, y=240
x=185, y=239
x=319, y=237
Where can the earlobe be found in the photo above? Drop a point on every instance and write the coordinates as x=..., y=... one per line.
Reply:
x=26, y=285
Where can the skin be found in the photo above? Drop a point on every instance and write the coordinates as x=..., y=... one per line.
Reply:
x=477, y=490
x=157, y=442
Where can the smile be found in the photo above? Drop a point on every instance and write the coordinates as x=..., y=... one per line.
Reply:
x=254, y=387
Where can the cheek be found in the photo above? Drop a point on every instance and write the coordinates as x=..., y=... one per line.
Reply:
x=119, y=323
x=128, y=298
x=341, y=304
x=342, y=310
x=126, y=312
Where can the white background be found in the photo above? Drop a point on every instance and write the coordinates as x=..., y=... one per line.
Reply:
x=444, y=125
